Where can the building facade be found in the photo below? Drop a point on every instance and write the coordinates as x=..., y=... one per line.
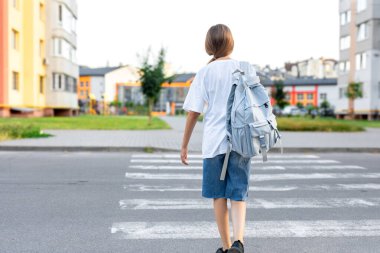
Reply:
x=360, y=56
x=61, y=62
x=23, y=38
x=117, y=80
x=308, y=91
x=92, y=82
x=317, y=68
x=37, y=58
x=171, y=98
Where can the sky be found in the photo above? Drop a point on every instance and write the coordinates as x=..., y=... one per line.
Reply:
x=266, y=32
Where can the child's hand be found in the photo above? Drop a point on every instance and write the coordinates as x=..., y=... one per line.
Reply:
x=184, y=155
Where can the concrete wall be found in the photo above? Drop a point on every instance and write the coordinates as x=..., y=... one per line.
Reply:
x=98, y=86
x=370, y=75
x=60, y=98
x=3, y=57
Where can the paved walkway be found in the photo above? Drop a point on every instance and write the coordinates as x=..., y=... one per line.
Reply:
x=171, y=140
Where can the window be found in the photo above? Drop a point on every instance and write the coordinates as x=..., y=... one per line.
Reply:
x=66, y=18
x=362, y=31
x=345, y=42
x=60, y=13
x=15, y=39
x=42, y=51
x=86, y=84
x=287, y=96
x=310, y=96
x=59, y=81
x=299, y=96
x=75, y=85
x=345, y=17
x=15, y=80
x=42, y=12
x=63, y=48
x=344, y=66
x=15, y=4
x=361, y=61
x=42, y=82
x=323, y=96
x=64, y=82
x=342, y=92
x=81, y=84
x=361, y=5
x=81, y=93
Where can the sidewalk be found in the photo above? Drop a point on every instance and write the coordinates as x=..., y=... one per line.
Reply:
x=162, y=140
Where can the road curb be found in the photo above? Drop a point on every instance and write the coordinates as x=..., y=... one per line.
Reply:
x=159, y=149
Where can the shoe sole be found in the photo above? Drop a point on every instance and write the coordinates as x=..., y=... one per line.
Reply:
x=234, y=250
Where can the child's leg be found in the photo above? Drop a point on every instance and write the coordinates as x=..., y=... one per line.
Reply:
x=221, y=216
x=238, y=210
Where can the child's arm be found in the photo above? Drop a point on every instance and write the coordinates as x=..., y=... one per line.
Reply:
x=191, y=120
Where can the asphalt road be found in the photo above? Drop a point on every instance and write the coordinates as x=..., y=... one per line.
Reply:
x=122, y=202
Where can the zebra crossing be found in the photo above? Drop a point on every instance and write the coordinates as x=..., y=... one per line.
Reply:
x=160, y=185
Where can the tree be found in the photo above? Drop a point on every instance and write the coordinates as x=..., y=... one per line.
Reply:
x=300, y=105
x=354, y=91
x=152, y=77
x=279, y=94
x=325, y=105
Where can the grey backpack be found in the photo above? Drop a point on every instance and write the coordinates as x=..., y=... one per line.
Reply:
x=251, y=125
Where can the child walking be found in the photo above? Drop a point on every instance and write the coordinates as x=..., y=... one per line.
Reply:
x=209, y=92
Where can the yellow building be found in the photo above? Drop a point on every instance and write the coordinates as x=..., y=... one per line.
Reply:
x=24, y=84
x=38, y=69
x=24, y=53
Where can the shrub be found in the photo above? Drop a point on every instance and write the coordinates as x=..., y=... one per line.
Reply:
x=17, y=131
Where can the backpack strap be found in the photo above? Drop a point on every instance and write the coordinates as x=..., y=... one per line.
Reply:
x=247, y=69
x=225, y=162
x=230, y=101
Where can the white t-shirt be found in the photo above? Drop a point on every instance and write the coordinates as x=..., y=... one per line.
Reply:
x=209, y=93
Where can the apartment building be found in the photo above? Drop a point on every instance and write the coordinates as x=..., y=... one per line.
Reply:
x=92, y=82
x=61, y=61
x=359, y=56
x=317, y=68
x=38, y=70
x=22, y=66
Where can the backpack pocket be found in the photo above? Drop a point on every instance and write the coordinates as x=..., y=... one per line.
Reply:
x=243, y=145
x=268, y=129
x=258, y=130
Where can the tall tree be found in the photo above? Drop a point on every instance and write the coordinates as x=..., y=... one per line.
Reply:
x=279, y=94
x=354, y=91
x=152, y=77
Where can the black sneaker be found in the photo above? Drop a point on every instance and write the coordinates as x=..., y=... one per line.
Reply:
x=237, y=247
x=220, y=250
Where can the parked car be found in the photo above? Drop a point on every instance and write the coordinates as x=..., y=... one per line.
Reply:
x=329, y=112
x=294, y=111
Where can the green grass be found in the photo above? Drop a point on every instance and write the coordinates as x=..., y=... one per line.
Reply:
x=319, y=125
x=362, y=123
x=91, y=122
x=9, y=131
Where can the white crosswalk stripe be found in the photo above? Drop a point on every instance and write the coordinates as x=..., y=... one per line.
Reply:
x=254, y=188
x=151, y=174
x=254, y=229
x=270, y=156
x=254, y=177
x=288, y=167
x=255, y=203
x=199, y=161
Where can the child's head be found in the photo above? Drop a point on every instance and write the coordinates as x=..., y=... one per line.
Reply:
x=219, y=41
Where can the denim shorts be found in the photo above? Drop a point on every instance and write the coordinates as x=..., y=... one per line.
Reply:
x=235, y=186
